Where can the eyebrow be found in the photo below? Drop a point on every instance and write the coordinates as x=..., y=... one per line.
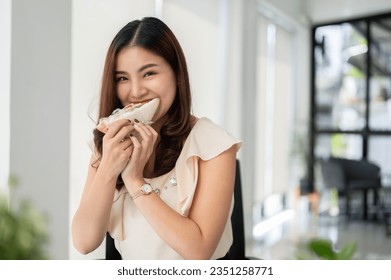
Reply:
x=142, y=68
x=146, y=66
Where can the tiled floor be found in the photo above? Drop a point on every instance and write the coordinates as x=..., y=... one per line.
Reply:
x=283, y=241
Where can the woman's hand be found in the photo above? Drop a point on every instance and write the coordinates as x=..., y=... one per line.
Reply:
x=117, y=147
x=143, y=147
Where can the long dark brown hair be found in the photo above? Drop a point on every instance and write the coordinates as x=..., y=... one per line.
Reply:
x=153, y=35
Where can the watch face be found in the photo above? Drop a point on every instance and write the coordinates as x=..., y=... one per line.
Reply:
x=147, y=188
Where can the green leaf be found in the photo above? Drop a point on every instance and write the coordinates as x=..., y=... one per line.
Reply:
x=347, y=251
x=323, y=248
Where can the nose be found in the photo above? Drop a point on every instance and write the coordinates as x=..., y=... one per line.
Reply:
x=138, y=91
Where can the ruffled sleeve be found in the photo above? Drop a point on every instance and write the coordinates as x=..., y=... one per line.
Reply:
x=206, y=141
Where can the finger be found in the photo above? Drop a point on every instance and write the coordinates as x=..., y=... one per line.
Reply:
x=147, y=135
x=124, y=133
x=152, y=131
x=115, y=127
x=136, y=146
x=141, y=128
x=126, y=142
x=129, y=148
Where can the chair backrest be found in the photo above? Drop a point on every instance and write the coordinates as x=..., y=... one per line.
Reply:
x=237, y=250
x=359, y=169
x=339, y=172
x=333, y=174
x=111, y=251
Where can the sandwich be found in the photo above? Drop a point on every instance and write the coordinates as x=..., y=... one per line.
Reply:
x=142, y=111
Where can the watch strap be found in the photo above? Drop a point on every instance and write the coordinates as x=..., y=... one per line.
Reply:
x=140, y=192
x=136, y=194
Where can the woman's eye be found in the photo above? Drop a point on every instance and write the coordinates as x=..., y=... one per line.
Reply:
x=148, y=74
x=120, y=79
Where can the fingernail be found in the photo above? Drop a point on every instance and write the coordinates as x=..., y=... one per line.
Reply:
x=136, y=121
x=130, y=120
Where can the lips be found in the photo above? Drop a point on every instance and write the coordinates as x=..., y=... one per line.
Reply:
x=143, y=111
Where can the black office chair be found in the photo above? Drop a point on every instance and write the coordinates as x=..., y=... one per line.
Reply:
x=238, y=247
x=111, y=252
x=385, y=208
x=350, y=176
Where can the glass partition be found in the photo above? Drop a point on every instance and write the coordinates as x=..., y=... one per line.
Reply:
x=338, y=145
x=380, y=153
x=380, y=81
x=340, y=76
x=351, y=92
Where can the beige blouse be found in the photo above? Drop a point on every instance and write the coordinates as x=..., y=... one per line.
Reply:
x=134, y=237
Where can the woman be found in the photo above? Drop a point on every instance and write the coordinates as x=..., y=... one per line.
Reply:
x=188, y=162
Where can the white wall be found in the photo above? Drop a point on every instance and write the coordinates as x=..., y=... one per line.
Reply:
x=295, y=9
x=5, y=87
x=320, y=11
x=40, y=111
x=200, y=18
x=212, y=52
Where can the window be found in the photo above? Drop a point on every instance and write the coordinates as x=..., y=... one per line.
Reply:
x=351, y=91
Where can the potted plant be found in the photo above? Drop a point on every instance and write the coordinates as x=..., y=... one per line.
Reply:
x=23, y=232
x=324, y=249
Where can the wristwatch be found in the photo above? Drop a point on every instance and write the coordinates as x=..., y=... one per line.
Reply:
x=145, y=189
